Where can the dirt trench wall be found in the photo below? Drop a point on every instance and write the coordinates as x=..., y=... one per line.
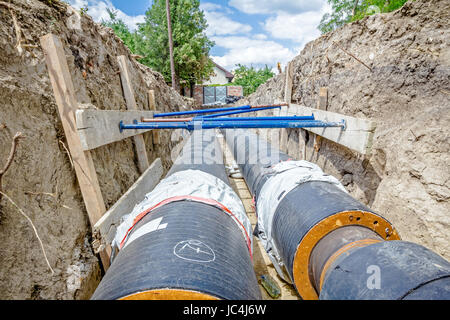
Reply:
x=407, y=176
x=41, y=179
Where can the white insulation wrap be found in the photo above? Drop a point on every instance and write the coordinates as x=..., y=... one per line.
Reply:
x=287, y=175
x=190, y=183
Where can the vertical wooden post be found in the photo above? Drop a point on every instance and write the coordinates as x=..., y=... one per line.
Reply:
x=288, y=82
x=322, y=104
x=287, y=98
x=284, y=132
x=152, y=106
x=67, y=105
x=131, y=105
x=302, y=136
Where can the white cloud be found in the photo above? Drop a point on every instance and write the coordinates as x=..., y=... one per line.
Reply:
x=209, y=6
x=296, y=21
x=274, y=6
x=219, y=23
x=77, y=4
x=243, y=50
x=97, y=10
x=299, y=28
x=260, y=36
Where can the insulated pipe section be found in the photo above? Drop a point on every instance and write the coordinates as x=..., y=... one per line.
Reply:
x=202, y=152
x=298, y=206
x=334, y=244
x=306, y=215
x=189, y=237
x=329, y=243
x=388, y=270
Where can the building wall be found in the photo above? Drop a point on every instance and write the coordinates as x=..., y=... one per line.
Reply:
x=235, y=91
x=218, y=78
x=198, y=95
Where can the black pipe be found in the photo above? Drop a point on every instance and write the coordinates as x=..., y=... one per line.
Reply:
x=337, y=241
x=203, y=152
x=200, y=253
x=388, y=270
x=306, y=215
x=321, y=232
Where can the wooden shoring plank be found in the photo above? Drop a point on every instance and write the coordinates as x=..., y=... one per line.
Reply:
x=288, y=82
x=322, y=104
x=287, y=98
x=106, y=226
x=358, y=135
x=283, y=131
x=131, y=105
x=64, y=93
x=152, y=106
x=97, y=128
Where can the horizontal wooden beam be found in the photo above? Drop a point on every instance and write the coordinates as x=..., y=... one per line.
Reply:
x=97, y=128
x=106, y=226
x=358, y=135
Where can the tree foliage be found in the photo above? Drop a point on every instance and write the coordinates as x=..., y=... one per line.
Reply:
x=251, y=78
x=132, y=40
x=150, y=40
x=344, y=11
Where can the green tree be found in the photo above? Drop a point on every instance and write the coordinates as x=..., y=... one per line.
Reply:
x=191, y=45
x=132, y=40
x=251, y=78
x=344, y=11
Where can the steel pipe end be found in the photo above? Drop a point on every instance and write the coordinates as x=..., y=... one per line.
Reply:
x=301, y=275
x=121, y=126
x=169, y=294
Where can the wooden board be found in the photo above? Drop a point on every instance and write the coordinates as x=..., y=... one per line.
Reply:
x=358, y=135
x=288, y=82
x=152, y=106
x=97, y=128
x=131, y=105
x=283, y=132
x=66, y=101
x=322, y=103
x=106, y=226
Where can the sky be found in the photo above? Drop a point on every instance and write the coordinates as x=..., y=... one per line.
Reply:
x=248, y=32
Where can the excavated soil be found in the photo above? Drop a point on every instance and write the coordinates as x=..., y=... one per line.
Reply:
x=406, y=92
x=41, y=179
x=406, y=178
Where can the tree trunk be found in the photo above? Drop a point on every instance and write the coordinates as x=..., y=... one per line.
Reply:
x=172, y=63
x=354, y=8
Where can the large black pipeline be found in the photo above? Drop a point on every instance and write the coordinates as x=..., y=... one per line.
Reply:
x=331, y=245
x=195, y=249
